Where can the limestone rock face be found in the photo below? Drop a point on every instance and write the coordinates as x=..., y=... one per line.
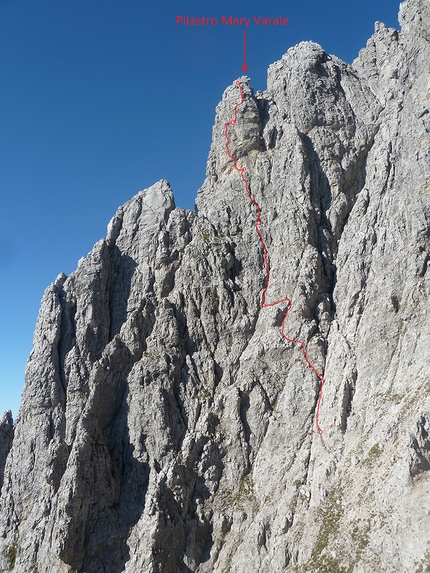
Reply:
x=6, y=437
x=167, y=425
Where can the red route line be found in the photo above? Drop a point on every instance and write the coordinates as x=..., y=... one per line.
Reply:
x=241, y=171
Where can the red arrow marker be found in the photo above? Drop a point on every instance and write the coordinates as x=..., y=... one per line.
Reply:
x=244, y=65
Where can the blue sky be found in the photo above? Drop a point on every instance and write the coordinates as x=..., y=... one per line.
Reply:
x=99, y=99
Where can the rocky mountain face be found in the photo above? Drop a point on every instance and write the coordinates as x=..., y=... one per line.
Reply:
x=167, y=425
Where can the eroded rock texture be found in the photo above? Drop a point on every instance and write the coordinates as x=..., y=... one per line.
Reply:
x=166, y=425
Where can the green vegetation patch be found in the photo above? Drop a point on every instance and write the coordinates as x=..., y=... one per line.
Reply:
x=323, y=560
x=373, y=455
x=205, y=236
x=330, y=514
x=245, y=495
x=424, y=566
x=9, y=554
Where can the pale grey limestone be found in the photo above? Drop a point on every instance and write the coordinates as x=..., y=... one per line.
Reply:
x=166, y=425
